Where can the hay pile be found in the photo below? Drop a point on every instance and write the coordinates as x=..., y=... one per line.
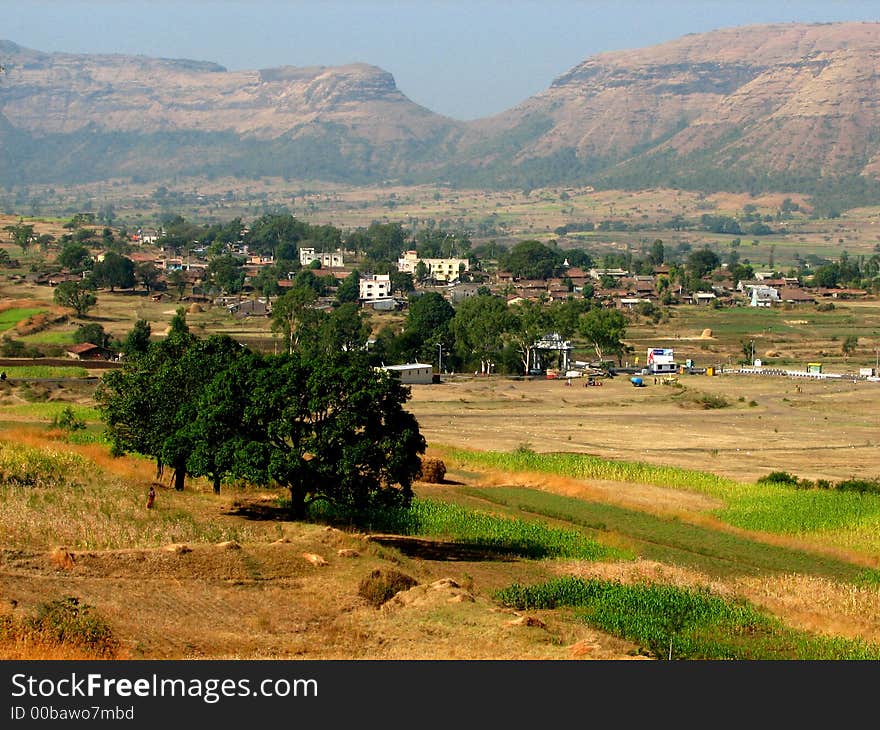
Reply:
x=433, y=471
x=706, y=334
x=195, y=308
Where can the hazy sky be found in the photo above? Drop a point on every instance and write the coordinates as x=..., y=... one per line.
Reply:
x=466, y=59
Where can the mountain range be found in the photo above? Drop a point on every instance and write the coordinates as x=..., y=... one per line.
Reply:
x=788, y=107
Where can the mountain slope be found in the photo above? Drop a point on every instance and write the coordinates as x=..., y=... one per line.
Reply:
x=780, y=102
x=790, y=106
x=153, y=115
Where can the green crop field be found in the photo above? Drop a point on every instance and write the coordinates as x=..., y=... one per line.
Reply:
x=516, y=536
x=671, y=539
x=50, y=337
x=843, y=519
x=683, y=623
x=41, y=412
x=11, y=317
x=44, y=371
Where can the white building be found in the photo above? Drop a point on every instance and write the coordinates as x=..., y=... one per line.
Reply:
x=614, y=273
x=764, y=296
x=416, y=373
x=328, y=260
x=661, y=360
x=438, y=269
x=374, y=287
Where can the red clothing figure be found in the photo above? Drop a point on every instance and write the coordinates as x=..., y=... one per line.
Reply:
x=151, y=497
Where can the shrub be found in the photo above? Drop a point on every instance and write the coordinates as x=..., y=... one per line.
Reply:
x=67, y=420
x=382, y=585
x=779, y=477
x=869, y=486
x=16, y=348
x=825, y=307
x=67, y=621
x=709, y=401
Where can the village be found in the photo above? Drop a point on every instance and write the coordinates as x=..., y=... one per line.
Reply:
x=533, y=281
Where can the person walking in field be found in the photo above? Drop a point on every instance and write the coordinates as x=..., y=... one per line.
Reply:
x=151, y=497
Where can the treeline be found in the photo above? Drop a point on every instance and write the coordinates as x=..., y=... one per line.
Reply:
x=326, y=427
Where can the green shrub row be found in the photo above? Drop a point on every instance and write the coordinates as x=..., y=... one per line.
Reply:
x=784, y=478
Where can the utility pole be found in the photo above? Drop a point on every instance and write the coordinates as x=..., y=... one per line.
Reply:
x=440, y=360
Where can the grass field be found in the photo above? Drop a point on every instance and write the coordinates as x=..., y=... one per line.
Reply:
x=11, y=317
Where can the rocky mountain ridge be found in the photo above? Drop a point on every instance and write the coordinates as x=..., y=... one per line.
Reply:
x=779, y=106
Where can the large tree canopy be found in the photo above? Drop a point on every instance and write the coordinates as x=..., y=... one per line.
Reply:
x=605, y=330
x=532, y=260
x=326, y=427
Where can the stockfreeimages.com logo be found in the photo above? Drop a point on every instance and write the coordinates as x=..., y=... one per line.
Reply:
x=208, y=690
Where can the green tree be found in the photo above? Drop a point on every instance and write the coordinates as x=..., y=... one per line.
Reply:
x=401, y=282
x=137, y=341
x=177, y=279
x=75, y=295
x=92, y=332
x=701, y=262
x=530, y=321
x=75, y=257
x=266, y=281
x=345, y=329
x=349, y=289
x=478, y=327
x=114, y=270
x=209, y=434
x=532, y=260
x=295, y=316
x=849, y=346
x=658, y=254
x=147, y=274
x=335, y=430
x=226, y=273
x=827, y=276
x=604, y=329
x=420, y=273
x=140, y=401
x=427, y=313
x=22, y=234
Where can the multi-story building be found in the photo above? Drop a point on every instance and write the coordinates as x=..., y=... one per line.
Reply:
x=307, y=255
x=445, y=270
x=374, y=287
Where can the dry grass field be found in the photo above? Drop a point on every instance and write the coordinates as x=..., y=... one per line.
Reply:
x=226, y=576
x=816, y=429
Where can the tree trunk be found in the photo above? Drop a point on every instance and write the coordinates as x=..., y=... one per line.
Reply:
x=297, y=503
x=216, y=484
x=179, y=479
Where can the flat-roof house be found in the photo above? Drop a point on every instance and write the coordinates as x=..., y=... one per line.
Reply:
x=447, y=269
x=374, y=286
x=415, y=373
x=703, y=297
